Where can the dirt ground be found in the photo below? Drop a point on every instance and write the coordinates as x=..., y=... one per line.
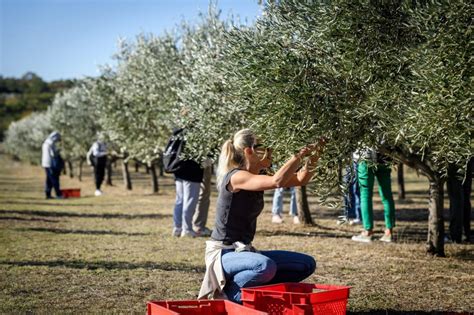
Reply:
x=112, y=254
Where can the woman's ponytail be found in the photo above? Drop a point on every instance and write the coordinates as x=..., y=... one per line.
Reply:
x=232, y=153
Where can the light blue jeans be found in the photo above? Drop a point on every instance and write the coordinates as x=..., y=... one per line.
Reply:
x=248, y=269
x=187, y=196
x=277, y=207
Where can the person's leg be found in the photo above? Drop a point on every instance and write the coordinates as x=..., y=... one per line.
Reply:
x=277, y=206
x=366, y=184
x=456, y=204
x=245, y=269
x=178, y=208
x=55, y=182
x=48, y=184
x=349, y=196
x=202, y=209
x=356, y=194
x=291, y=266
x=190, y=200
x=467, y=187
x=293, y=204
x=385, y=190
x=101, y=162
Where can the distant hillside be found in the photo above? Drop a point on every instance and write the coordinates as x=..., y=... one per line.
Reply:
x=20, y=97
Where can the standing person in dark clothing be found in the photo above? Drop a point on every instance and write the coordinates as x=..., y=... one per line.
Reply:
x=232, y=262
x=53, y=164
x=459, y=192
x=188, y=176
x=97, y=156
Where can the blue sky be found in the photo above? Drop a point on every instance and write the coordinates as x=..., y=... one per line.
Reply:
x=62, y=39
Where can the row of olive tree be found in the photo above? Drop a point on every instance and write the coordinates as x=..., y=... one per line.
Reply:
x=393, y=75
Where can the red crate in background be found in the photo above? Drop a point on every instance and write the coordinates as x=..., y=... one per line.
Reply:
x=199, y=307
x=297, y=299
x=71, y=193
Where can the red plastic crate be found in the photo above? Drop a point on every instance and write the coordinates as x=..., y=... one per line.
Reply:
x=297, y=299
x=71, y=193
x=199, y=307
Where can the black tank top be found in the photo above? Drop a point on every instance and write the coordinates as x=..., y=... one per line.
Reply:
x=236, y=213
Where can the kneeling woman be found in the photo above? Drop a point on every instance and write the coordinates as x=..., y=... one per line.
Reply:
x=232, y=262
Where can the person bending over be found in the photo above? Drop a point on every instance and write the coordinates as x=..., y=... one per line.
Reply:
x=232, y=262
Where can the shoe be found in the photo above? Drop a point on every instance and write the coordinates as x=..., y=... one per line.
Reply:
x=362, y=238
x=341, y=220
x=355, y=221
x=276, y=218
x=98, y=192
x=59, y=197
x=386, y=238
x=190, y=234
x=49, y=197
x=205, y=232
x=296, y=220
x=176, y=232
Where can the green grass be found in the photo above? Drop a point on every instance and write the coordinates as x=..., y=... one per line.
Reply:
x=112, y=254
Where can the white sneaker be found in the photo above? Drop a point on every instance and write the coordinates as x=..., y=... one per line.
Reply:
x=355, y=221
x=296, y=220
x=276, y=218
x=176, y=232
x=98, y=192
x=190, y=234
x=362, y=238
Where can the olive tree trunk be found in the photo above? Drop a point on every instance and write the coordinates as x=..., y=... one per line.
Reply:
x=127, y=182
x=400, y=182
x=154, y=179
x=435, y=243
x=71, y=170
x=302, y=205
x=79, y=170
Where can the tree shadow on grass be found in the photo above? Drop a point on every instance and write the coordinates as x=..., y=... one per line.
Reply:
x=339, y=234
x=54, y=203
x=108, y=265
x=86, y=232
x=61, y=214
x=392, y=312
x=27, y=219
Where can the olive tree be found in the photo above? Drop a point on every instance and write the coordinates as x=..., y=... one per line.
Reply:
x=135, y=99
x=75, y=116
x=25, y=137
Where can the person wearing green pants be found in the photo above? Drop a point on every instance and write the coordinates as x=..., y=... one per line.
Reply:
x=367, y=172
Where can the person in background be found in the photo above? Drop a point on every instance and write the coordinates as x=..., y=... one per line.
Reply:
x=53, y=164
x=352, y=211
x=374, y=165
x=97, y=157
x=188, y=177
x=459, y=192
x=202, y=209
x=277, y=207
x=232, y=262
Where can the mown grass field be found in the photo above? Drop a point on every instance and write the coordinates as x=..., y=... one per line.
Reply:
x=112, y=254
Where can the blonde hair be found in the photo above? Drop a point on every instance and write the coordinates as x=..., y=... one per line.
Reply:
x=232, y=153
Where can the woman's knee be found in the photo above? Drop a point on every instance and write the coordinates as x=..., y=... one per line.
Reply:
x=265, y=270
x=311, y=265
